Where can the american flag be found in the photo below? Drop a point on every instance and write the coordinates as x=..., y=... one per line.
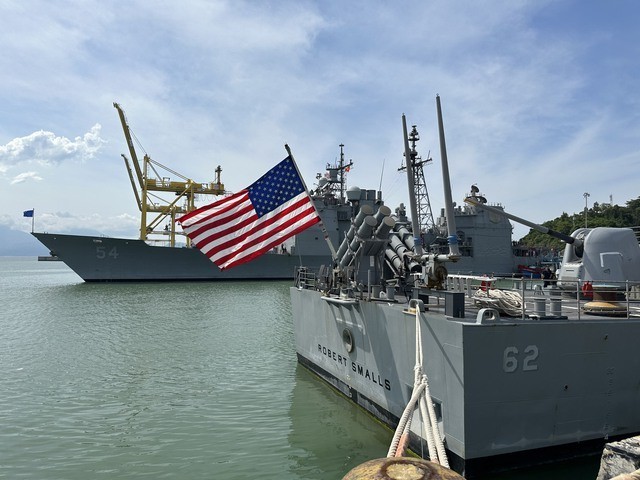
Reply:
x=248, y=223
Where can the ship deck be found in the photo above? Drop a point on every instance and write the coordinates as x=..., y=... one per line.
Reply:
x=472, y=298
x=530, y=299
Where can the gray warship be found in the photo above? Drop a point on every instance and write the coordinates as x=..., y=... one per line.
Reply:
x=517, y=376
x=108, y=259
x=162, y=194
x=157, y=255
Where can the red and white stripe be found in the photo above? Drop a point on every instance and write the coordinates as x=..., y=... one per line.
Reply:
x=230, y=233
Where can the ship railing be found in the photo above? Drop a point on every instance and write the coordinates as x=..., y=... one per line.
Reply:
x=584, y=299
x=305, y=278
x=540, y=299
x=469, y=283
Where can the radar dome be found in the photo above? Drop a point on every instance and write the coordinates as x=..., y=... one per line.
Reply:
x=353, y=194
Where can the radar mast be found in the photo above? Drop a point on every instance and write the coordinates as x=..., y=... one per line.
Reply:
x=425, y=214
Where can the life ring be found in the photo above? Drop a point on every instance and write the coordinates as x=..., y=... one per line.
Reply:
x=347, y=338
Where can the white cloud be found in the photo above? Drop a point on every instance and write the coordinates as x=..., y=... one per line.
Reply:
x=23, y=177
x=45, y=148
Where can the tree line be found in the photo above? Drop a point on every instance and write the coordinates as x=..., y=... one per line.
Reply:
x=599, y=215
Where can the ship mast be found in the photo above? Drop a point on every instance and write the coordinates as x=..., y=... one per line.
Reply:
x=425, y=214
x=333, y=183
x=342, y=169
x=417, y=238
x=454, y=250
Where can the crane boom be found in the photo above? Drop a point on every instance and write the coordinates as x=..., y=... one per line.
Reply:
x=133, y=182
x=150, y=180
x=127, y=136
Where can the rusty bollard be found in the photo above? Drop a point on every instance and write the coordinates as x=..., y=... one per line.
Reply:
x=401, y=468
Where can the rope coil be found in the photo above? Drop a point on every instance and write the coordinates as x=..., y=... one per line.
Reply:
x=505, y=301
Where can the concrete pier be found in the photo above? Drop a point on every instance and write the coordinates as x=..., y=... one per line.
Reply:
x=621, y=460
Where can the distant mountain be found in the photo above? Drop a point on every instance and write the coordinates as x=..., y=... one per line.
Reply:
x=15, y=243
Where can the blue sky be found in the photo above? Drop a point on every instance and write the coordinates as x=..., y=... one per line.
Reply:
x=540, y=99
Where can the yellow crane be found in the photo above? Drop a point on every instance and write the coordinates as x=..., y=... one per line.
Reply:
x=150, y=180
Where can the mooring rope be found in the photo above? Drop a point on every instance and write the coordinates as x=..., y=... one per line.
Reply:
x=422, y=397
x=504, y=301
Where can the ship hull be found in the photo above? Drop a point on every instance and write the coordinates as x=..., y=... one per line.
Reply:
x=106, y=259
x=505, y=389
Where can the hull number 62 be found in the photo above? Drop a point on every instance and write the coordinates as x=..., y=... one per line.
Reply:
x=513, y=359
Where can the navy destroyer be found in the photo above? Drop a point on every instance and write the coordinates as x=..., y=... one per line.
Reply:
x=162, y=194
x=157, y=255
x=108, y=259
x=513, y=376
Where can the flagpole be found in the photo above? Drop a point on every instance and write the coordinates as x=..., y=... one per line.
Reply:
x=322, y=227
x=33, y=219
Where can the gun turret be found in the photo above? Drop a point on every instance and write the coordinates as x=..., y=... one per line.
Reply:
x=603, y=255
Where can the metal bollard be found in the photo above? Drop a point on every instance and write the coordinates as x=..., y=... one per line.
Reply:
x=401, y=468
x=555, y=301
x=538, y=301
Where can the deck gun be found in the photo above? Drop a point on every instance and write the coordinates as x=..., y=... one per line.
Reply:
x=601, y=255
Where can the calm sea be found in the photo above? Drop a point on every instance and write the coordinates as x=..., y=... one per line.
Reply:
x=168, y=380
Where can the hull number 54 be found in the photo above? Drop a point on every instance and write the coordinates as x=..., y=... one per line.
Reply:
x=525, y=360
x=101, y=253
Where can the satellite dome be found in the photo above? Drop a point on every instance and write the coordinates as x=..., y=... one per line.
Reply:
x=353, y=194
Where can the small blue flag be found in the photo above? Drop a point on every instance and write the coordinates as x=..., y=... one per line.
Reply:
x=28, y=213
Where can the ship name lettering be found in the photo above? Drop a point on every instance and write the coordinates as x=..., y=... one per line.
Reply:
x=333, y=355
x=370, y=375
x=361, y=370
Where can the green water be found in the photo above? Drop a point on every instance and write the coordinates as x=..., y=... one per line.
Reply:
x=167, y=380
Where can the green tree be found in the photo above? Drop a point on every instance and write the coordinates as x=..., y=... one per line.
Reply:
x=600, y=215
